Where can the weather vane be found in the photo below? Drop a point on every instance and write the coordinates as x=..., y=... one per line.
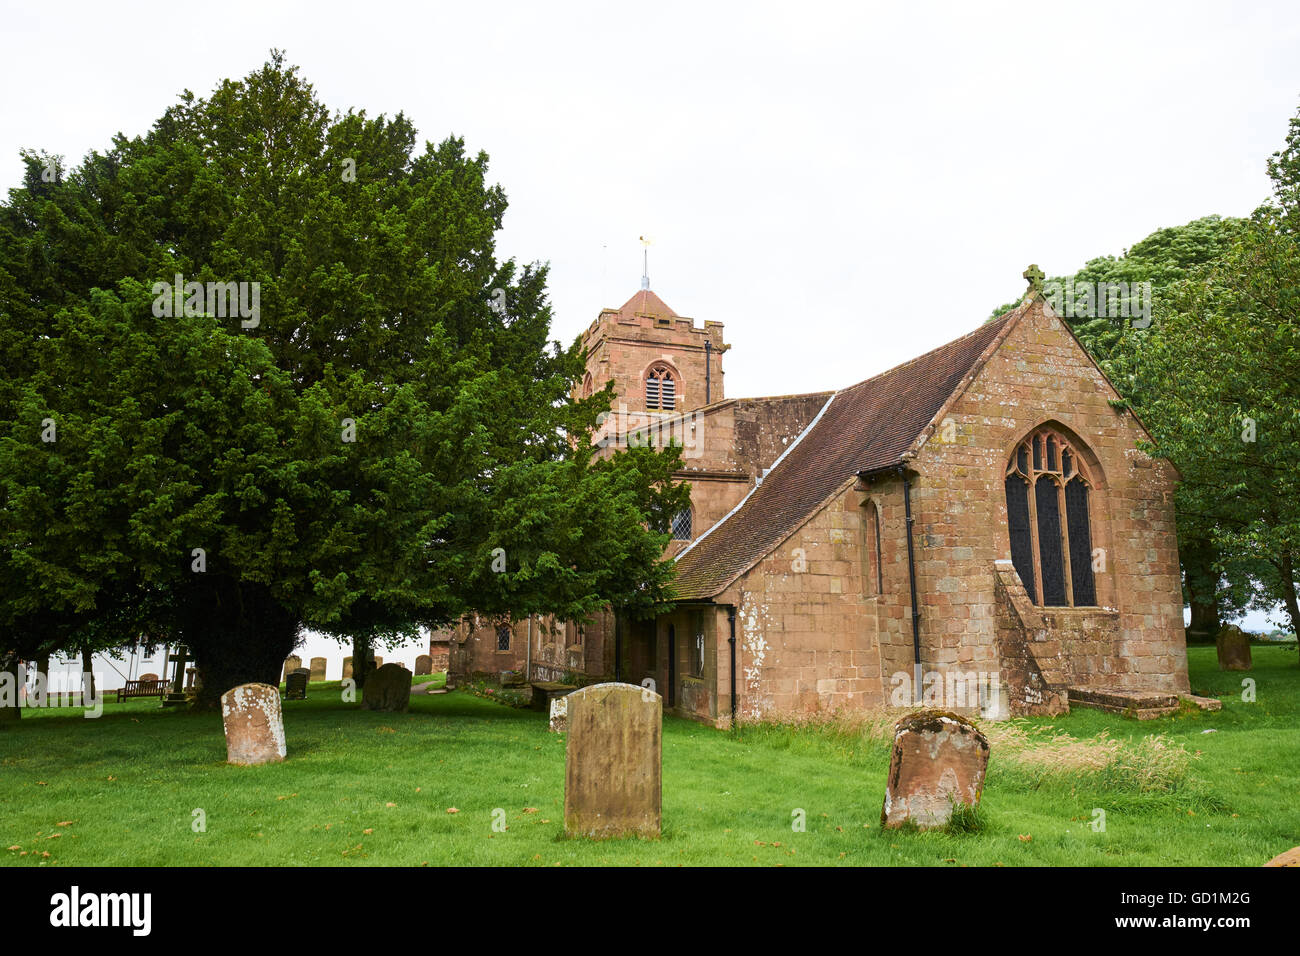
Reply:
x=645, y=262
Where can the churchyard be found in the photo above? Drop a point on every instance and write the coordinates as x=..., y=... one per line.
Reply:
x=458, y=779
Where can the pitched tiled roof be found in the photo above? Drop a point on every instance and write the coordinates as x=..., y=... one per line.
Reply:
x=865, y=427
x=646, y=302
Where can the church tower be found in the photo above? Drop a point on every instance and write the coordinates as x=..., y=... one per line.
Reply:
x=661, y=364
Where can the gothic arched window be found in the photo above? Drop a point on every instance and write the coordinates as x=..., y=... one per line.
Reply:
x=660, y=388
x=1049, y=522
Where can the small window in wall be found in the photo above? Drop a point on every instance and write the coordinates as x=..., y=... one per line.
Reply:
x=588, y=386
x=872, y=566
x=697, y=655
x=503, y=637
x=660, y=388
x=682, y=525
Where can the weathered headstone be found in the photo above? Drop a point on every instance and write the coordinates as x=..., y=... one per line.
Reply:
x=176, y=696
x=613, y=762
x=938, y=761
x=1289, y=858
x=512, y=679
x=318, y=668
x=379, y=662
x=347, y=667
x=1233, y=646
x=254, y=724
x=295, y=685
x=387, y=689
x=291, y=664
x=559, y=714
x=153, y=678
x=423, y=665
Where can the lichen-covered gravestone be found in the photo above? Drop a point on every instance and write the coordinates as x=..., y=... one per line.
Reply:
x=295, y=685
x=938, y=762
x=254, y=725
x=423, y=665
x=1233, y=647
x=388, y=688
x=318, y=665
x=559, y=714
x=612, y=762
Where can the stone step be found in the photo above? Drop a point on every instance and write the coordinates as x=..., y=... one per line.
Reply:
x=1139, y=704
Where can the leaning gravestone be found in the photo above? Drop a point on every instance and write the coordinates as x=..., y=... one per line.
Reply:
x=254, y=725
x=423, y=665
x=318, y=668
x=1233, y=647
x=613, y=762
x=295, y=685
x=291, y=664
x=387, y=689
x=347, y=667
x=938, y=761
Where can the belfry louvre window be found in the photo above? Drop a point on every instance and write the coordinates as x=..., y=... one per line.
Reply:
x=660, y=389
x=1049, y=521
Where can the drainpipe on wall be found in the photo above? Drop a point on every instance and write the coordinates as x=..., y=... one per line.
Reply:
x=731, y=620
x=618, y=647
x=911, y=575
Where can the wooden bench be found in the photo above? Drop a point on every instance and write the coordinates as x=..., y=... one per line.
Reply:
x=142, y=688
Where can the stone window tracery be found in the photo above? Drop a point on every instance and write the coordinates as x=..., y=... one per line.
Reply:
x=1049, y=522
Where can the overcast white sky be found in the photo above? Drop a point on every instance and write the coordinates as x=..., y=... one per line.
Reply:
x=844, y=185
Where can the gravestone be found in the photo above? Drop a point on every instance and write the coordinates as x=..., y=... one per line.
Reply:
x=1290, y=858
x=347, y=667
x=613, y=762
x=254, y=724
x=291, y=664
x=387, y=688
x=378, y=662
x=149, y=677
x=318, y=668
x=423, y=665
x=512, y=679
x=176, y=696
x=1233, y=647
x=559, y=714
x=938, y=761
x=295, y=685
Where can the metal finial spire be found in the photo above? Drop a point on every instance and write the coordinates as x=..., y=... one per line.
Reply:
x=645, y=262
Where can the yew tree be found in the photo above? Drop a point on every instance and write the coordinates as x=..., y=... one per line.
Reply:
x=388, y=439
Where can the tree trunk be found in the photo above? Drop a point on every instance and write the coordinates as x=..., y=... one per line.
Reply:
x=1202, y=582
x=1289, y=594
x=87, y=676
x=361, y=657
x=10, y=710
x=238, y=634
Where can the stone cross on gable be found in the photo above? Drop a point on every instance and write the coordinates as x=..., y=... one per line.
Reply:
x=1035, y=277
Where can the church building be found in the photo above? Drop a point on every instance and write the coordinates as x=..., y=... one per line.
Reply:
x=977, y=519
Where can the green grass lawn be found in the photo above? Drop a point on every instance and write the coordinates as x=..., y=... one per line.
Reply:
x=363, y=788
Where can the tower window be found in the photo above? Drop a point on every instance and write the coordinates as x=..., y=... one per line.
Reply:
x=682, y=525
x=660, y=388
x=1049, y=523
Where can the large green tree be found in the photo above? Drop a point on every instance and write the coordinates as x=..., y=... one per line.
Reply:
x=388, y=440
